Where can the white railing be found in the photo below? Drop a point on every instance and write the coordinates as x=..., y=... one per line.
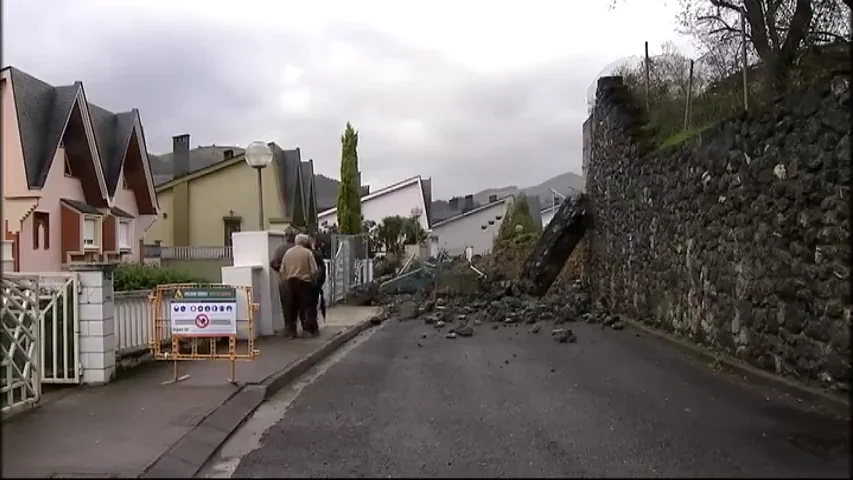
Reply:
x=133, y=324
x=196, y=253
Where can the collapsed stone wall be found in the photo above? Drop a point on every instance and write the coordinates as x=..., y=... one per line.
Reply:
x=738, y=239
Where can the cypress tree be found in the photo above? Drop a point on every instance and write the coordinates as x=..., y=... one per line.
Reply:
x=349, y=190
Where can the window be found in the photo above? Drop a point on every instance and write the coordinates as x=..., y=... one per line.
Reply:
x=124, y=234
x=231, y=225
x=41, y=230
x=90, y=233
x=68, y=171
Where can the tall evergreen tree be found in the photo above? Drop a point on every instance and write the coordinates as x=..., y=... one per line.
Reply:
x=349, y=190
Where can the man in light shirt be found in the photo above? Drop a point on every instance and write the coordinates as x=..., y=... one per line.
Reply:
x=283, y=291
x=299, y=272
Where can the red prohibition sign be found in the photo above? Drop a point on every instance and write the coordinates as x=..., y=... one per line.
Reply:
x=201, y=320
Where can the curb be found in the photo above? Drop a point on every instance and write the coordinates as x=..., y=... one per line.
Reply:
x=834, y=403
x=188, y=455
x=282, y=378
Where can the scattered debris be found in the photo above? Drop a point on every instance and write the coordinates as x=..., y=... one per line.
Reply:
x=564, y=335
x=465, y=331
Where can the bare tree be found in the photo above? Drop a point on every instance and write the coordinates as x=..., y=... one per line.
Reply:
x=776, y=30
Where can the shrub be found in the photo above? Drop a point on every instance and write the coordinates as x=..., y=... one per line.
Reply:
x=131, y=276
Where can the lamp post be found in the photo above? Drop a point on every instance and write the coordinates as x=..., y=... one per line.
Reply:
x=258, y=156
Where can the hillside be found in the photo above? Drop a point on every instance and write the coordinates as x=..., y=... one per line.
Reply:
x=566, y=183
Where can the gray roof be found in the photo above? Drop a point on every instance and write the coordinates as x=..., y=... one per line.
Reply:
x=43, y=111
x=81, y=207
x=327, y=192
x=427, y=189
x=441, y=209
x=309, y=192
x=120, y=213
x=112, y=134
x=200, y=157
x=289, y=163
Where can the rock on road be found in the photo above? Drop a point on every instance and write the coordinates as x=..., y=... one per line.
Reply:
x=510, y=403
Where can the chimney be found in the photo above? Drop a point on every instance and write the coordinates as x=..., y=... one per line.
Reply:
x=454, y=203
x=493, y=198
x=469, y=203
x=180, y=155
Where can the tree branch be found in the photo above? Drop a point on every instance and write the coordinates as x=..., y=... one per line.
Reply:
x=755, y=18
x=797, y=31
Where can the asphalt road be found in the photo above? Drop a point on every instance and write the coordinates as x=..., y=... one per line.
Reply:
x=509, y=403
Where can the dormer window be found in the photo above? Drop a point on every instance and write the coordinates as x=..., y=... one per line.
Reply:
x=67, y=167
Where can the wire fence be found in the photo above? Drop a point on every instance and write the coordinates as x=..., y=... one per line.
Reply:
x=681, y=96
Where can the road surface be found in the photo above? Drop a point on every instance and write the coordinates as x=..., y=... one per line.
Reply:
x=406, y=401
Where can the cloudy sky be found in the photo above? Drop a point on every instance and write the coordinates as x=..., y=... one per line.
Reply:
x=473, y=93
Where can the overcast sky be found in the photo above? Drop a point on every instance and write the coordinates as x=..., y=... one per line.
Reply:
x=473, y=93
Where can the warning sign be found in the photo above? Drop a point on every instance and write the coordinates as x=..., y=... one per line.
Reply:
x=204, y=312
x=202, y=321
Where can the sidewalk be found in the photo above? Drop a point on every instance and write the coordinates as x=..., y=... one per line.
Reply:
x=134, y=424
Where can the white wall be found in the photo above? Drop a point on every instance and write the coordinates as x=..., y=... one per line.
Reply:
x=547, y=215
x=398, y=202
x=455, y=235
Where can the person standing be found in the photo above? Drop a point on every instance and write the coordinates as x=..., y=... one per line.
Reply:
x=317, y=291
x=283, y=291
x=300, y=272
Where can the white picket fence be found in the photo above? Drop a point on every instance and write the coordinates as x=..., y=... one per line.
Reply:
x=133, y=327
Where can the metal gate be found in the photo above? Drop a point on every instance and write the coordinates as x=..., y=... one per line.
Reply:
x=20, y=343
x=40, y=335
x=348, y=265
x=60, y=328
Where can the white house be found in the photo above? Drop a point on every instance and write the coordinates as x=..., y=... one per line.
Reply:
x=475, y=228
x=405, y=199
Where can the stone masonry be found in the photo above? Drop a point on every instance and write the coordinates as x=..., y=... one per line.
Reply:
x=739, y=239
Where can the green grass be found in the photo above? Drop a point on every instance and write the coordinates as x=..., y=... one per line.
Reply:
x=683, y=136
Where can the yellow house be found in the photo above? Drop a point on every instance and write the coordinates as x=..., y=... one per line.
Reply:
x=201, y=206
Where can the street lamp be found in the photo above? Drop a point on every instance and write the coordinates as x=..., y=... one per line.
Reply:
x=258, y=156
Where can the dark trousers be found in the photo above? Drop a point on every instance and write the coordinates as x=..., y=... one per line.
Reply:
x=313, y=302
x=301, y=293
x=286, y=301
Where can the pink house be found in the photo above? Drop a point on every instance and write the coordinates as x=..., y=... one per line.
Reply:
x=77, y=184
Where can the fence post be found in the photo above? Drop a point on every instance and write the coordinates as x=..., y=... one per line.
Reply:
x=687, y=106
x=648, y=86
x=97, y=322
x=745, y=61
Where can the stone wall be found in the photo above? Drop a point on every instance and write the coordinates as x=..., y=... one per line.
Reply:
x=739, y=239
